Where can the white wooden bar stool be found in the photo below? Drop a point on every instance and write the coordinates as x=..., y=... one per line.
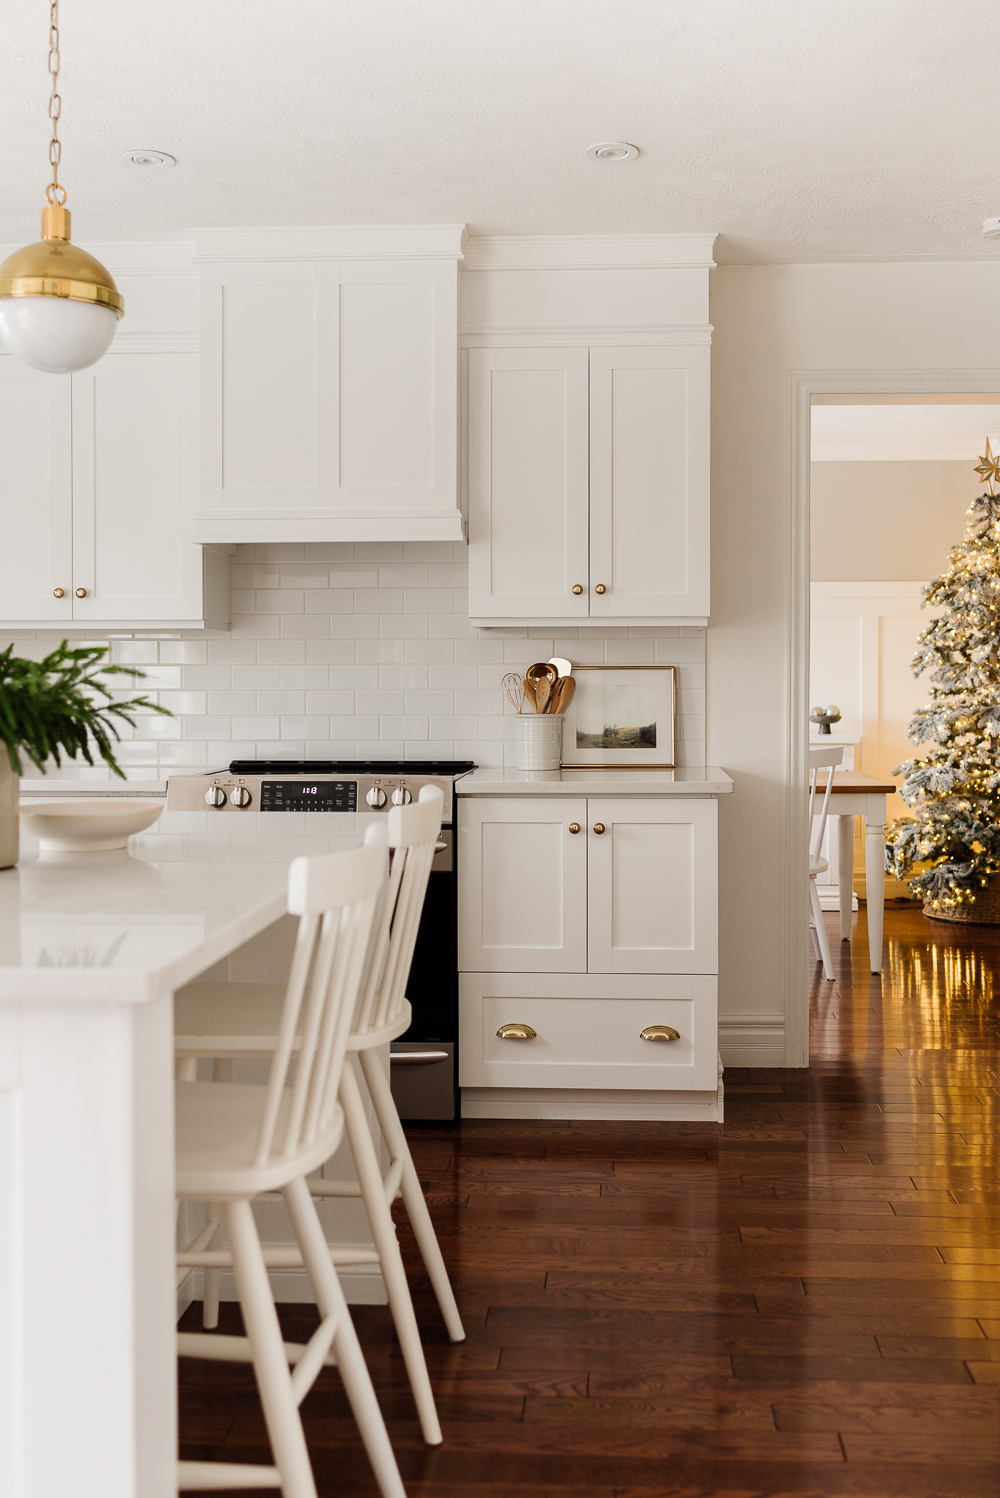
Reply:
x=820, y=759
x=232, y=1020
x=236, y=1141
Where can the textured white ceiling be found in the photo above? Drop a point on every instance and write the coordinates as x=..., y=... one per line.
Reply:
x=830, y=129
x=883, y=433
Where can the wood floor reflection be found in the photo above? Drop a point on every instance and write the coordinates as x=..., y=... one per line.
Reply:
x=802, y=1302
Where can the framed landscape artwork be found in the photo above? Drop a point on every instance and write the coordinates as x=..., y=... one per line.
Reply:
x=621, y=717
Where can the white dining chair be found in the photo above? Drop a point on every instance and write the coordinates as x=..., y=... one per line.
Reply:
x=819, y=806
x=236, y=1141
x=227, y=1021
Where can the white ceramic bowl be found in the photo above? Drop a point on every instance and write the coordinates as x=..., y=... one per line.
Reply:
x=90, y=826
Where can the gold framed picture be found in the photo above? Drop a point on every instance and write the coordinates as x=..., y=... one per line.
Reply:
x=621, y=718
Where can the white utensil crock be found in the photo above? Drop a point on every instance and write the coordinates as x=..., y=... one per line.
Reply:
x=10, y=787
x=538, y=741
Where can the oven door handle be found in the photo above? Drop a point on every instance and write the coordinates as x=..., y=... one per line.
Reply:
x=416, y=1058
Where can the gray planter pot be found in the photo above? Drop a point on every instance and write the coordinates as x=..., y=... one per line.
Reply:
x=10, y=827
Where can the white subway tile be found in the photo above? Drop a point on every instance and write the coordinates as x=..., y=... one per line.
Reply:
x=204, y=678
x=278, y=601
x=430, y=702
x=329, y=601
x=354, y=627
x=354, y=727
x=328, y=551
x=439, y=652
x=305, y=626
x=460, y=600
x=257, y=678
x=232, y=652
x=396, y=677
x=454, y=728
x=403, y=626
x=378, y=551
x=182, y=755
x=340, y=652
x=135, y=752
x=242, y=601
x=281, y=652
x=587, y=651
x=429, y=551
x=281, y=702
x=305, y=727
x=629, y=652
x=232, y=702
x=466, y=676
x=381, y=650
x=198, y=727
x=380, y=749
x=304, y=575
x=183, y=702
x=409, y=727
x=448, y=626
x=128, y=652
x=330, y=702
x=430, y=749
x=154, y=726
x=256, y=727
x=184, y=652
x=330, y=749
x=357, y=575
x=403, y=575
x=492, y=729
x=280, y=551
x=252, y=627
x=305, y=676
x=479, y=702
x=378, y=600
x=482, y=753
x=354, y=678
x=448, y=575
x=427, y=601
x=380, y=702
x=479, y=648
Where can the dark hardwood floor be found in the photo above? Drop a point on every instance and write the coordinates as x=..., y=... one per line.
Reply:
x=803, y=1301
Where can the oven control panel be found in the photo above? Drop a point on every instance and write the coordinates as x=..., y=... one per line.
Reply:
x=305, y=795
x=225, y=792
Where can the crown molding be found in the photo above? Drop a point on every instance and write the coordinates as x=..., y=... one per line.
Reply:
x=589, y=252
x=581, y=336
x=335, y=242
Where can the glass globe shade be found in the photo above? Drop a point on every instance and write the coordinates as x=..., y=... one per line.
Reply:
x=54, y=333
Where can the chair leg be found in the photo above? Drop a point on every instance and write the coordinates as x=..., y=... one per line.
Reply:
x=390, y=1259
x=329, y=1296
x=413, y=1196
x=222, y=1071
x=820, y=929
x=281, y=1415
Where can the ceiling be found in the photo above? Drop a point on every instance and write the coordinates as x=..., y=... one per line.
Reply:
x=834, y=129
x=902, y=432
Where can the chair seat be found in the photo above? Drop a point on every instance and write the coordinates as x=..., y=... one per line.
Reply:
x=229, y=1020
x=217, y=1126
x=817, y=865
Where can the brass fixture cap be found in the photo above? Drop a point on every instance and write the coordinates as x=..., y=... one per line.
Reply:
x=54, y=267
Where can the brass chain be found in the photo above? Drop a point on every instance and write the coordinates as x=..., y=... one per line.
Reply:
x=55, y=192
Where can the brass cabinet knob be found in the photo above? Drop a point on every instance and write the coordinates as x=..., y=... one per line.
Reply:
x=578, y=588
x=574, y=827
x=515, y=1032
x=58, y=592
x=599, y=828
x=659, y=1032
x=600, y=588
x=81, y=592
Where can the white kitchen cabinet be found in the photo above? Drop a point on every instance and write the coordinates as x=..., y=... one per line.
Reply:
x=329, y=385
x=638, y=896
x=589, y=484
x=98, y=497
x=522, y=896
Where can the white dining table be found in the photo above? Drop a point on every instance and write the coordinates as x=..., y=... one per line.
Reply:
x=92, y=949
x=856, y=794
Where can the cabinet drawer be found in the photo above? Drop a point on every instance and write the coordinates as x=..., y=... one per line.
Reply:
x=587, y=1033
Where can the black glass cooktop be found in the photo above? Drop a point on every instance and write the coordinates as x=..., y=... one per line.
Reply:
x=351, y=766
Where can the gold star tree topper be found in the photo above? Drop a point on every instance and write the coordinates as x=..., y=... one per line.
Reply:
x=989, y=468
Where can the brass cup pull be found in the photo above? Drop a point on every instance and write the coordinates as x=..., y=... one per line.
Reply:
x=599, y=828
x=578, y=589
x=574, y=827
x=58, y=592
x=81, y=592
x=659, y=1032
x=600, y=588
x=515, y=1032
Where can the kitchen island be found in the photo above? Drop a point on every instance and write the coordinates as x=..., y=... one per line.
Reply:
x=92, y=948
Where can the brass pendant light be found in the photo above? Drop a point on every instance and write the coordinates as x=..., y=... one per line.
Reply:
x=58, y=305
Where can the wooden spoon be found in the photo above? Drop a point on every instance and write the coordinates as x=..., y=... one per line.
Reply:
x=529, y=694
x=543, y=691
x=563, y=696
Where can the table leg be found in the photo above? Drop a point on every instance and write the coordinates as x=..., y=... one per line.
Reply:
x=845, y=873
x=875, y=881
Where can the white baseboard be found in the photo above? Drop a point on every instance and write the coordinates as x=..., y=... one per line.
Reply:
x=590, y=1103
x=829, y=898
x=752, y=1039
x=363, y=1286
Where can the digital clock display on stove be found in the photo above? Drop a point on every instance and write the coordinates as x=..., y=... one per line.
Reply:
x=309, y=795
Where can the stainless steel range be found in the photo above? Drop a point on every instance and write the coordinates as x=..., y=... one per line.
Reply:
x=424, y=1060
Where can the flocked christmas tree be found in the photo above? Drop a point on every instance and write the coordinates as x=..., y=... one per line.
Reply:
x=954, y=785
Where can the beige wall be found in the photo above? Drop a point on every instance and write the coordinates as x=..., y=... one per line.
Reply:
x=769, y=321
x=887, y=522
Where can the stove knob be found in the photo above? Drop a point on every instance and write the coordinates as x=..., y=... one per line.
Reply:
x=216, y=796
x=376, y=796
x=240, y=796
x=401, y=796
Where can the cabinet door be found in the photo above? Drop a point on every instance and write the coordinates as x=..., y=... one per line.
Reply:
x=649, y=482
x=528, y=483
x=36, y=505
x=135, y=487
x=330, y=393
x=522, y=886
x=652, y=887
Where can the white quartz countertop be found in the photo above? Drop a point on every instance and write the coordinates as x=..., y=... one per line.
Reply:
x=700, y=781
x=134, y=924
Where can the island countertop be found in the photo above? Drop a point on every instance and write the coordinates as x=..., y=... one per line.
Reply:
x=686, y=782
x=133, y=925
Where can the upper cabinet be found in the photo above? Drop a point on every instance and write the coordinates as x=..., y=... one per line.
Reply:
x=329, y=384
x=588, y=429
x=98, y=497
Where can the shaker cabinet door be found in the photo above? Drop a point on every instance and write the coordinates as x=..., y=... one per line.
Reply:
x=653, y=896
x=649, y=482
x=522, y=902
x=528, y=482
x=36, y=496
x=135, y=470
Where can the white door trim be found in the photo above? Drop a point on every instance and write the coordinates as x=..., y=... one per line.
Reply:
x=802, y=385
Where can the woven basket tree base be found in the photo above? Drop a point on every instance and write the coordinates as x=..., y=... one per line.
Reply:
x=984, y=910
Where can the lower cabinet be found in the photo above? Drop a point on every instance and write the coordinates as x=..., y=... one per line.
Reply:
x=588, y=946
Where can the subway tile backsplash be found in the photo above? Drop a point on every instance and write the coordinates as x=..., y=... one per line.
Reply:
x=361, y=651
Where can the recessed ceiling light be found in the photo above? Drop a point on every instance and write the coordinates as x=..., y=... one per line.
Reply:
x=148, y=158
x=991, y=228
x=612, y=150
